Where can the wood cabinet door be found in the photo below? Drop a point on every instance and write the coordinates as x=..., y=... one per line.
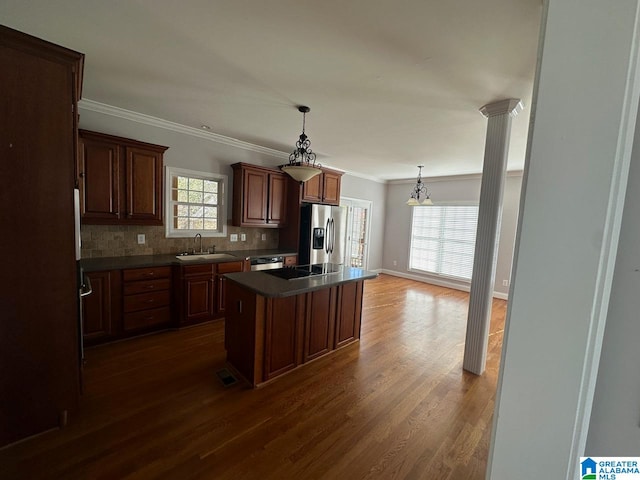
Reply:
x=222, y=286
x=277, y=209
x=221, y=282
x=254, y=210
x=199, y=299
x=281, y=336
x=312, y=190
x=331, y=188
x=99, y=179
x=320, y=323
x=143, y=186
x=241, y=334
x=349, y=312
x=97, y=321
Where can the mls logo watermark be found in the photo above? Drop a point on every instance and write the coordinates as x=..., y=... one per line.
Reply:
x=609, y=468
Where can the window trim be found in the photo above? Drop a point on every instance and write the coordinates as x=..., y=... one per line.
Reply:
x=435, y=275
x=170, y=232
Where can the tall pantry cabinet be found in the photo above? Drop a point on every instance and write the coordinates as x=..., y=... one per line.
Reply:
x=39, y=362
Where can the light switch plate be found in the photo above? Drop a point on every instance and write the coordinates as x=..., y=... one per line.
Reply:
x=233, y=237
x=243, y=237
x=264, y=237
x=141, y=239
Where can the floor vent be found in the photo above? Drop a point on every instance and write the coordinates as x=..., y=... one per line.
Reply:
x=226, y=377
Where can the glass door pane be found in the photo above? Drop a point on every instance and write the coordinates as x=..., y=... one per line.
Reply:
x=358, y=232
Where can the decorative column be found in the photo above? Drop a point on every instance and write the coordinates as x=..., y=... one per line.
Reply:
x=489, y=215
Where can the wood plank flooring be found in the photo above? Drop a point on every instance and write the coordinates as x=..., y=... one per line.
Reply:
x=396, y=405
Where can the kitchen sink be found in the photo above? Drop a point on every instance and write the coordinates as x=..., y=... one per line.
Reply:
x=206, y=256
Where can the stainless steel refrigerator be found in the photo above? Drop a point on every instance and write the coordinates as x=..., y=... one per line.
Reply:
x=323, y=234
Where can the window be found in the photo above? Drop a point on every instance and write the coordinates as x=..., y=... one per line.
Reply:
x=195, y=203
x=443, y=239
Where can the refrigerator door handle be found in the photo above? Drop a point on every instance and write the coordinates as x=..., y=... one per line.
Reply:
x=333, y=234
x=327, y=236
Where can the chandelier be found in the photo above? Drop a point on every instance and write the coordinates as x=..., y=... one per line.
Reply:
x=420, y=190
x=302, y=164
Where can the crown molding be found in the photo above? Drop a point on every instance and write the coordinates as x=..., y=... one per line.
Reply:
x=365, y=176
x=93, y=106
x=451, y=178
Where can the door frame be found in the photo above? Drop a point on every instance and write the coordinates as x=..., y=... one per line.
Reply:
x=350, y=202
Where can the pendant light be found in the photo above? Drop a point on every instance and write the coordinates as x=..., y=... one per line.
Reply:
x=420, y=190
x=302, y=164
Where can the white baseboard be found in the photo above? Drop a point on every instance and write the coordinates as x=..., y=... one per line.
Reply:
x=437, y=281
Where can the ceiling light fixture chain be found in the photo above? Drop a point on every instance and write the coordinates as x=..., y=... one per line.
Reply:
x=419, y=190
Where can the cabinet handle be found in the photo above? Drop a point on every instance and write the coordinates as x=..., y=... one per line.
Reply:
x=239, y=306
x=150, y=301
x=149, y=287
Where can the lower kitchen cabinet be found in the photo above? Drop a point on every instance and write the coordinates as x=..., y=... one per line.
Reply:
x=348, y=313
x=198, y=295
x=136, y=301
x=126, y=303
x=101, y=312
x=283, y=336
x=147, y=299
x=201, y=297
x=267, y=337
x=320, y=323
x=222, y=268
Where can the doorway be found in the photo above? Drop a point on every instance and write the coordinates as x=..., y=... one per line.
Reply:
x=358, y=231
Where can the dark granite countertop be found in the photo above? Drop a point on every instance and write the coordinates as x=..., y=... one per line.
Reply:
x=271, y=286
x=142, y=261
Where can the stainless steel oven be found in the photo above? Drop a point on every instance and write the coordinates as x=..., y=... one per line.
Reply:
x=266, y=263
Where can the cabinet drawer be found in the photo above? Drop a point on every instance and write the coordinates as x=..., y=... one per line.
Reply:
x=143, y=301
x=132, y=288
x=134, y=274
x=230, y=267
x=147, y=318
x=203, y=269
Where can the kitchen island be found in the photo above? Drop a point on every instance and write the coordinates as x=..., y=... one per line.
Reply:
x=274, y=325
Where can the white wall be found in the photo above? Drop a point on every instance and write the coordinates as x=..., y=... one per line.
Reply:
x=615, y=419
x=450, y=189
x=376, y=192
x=582, y=124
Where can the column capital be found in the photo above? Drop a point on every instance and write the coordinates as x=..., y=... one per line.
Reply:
x=510, y=106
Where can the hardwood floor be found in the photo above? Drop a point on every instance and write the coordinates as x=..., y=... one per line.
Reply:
x=396, y=405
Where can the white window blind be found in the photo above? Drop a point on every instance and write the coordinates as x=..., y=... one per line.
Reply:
x=195, y=203
x=443, y=239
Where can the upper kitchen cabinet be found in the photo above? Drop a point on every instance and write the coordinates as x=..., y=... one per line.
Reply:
x=323, y=188
x=259, y=196
x=120, y=180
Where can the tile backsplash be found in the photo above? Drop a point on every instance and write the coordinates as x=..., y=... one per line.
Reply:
x=119, y=240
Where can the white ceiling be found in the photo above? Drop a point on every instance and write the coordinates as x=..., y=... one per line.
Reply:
x=391, y=84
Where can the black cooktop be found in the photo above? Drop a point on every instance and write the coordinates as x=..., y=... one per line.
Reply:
x=303, y=271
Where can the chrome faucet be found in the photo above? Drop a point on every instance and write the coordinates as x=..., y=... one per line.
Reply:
x=196, y=238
